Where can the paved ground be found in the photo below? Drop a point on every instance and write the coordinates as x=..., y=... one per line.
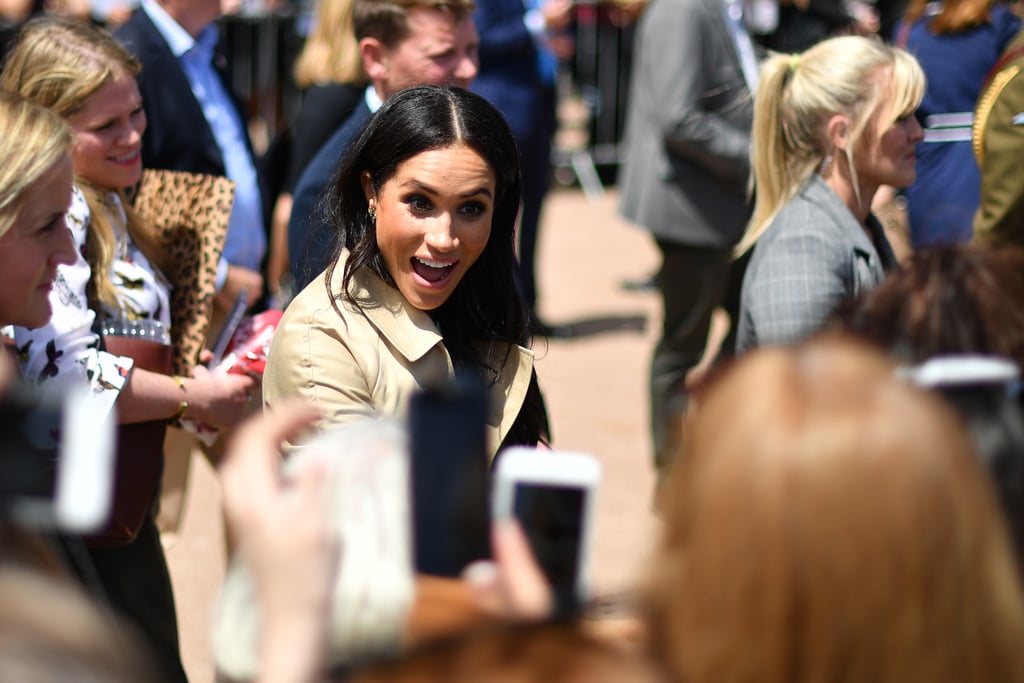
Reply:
x=595, y=383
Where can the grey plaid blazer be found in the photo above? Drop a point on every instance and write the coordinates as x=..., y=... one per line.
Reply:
x=814, y=255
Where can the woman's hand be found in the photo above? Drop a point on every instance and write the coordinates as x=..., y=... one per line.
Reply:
x=286, y=540
x=219, y=399
x=512, y=585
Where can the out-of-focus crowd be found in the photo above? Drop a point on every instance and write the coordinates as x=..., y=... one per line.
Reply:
x=836, y=407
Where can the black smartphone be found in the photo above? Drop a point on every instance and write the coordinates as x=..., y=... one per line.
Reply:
x=449, y=477
x=231, y=324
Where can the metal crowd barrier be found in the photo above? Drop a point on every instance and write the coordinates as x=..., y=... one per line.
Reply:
x=600, y=79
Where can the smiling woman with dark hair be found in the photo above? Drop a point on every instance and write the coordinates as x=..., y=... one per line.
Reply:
x=422, y=285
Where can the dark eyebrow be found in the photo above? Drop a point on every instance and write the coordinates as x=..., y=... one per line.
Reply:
x=430, y=190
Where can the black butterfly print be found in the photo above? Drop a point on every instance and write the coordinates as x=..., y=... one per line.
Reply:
x=52, y=356
x=22, y=351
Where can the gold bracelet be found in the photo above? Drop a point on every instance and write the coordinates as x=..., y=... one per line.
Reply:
x=182, y=405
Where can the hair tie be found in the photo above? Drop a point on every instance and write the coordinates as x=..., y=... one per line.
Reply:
x=794, y=59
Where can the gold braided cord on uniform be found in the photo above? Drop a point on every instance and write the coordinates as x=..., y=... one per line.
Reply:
x=985, y=104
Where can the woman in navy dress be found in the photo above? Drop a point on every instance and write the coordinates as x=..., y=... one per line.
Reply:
x=956, y=42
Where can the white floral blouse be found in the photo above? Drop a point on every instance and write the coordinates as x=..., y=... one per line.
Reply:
x=66, y=349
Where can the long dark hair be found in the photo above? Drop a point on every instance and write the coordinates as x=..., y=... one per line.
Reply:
x=486, y=314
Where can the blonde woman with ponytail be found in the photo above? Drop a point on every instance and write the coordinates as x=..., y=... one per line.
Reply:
x=831, y=125
x=83, y=75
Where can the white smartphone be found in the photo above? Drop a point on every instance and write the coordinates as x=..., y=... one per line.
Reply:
x=56, y=460
x=553, y=494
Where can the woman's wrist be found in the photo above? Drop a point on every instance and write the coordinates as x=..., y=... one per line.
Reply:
x=183, y=403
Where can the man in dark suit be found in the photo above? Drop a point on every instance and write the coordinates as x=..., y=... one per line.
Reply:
x=402, y=44
x=196, y=125
x=684, y=179
x=521, y=43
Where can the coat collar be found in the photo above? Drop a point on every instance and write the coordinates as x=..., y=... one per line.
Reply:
x=412, y=333
x=817, y=191
x=409, y=330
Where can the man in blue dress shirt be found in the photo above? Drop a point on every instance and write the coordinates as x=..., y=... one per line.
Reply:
x=196, y=125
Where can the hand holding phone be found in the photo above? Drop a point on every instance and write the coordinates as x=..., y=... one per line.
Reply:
x=553, y=495
x=56, y=460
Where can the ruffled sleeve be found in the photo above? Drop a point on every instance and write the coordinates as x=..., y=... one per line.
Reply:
x=65, y=351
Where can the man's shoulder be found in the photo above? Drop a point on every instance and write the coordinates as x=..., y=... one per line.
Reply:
x=351, y=125
x=138, y=30
x=319, y=168
x=692, y=8
x=142, y=38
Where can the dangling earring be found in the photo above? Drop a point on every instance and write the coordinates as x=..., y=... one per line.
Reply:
x=824, y=164
x=370, y=209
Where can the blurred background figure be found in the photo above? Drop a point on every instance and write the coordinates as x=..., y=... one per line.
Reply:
x=684, y=179
x=845, y=108
x=998, y=142
x=956, y=314
x=827, y=521
x=957, y=42
x=521, y=46
x=802, y=24
x=985, y=392
x=195, y=124
x=329, y=72
x=354, y=481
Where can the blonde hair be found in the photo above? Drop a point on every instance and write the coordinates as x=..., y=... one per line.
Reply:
x=796, y=97
x=60, y=64
x=86, y=642
x=331, y=53
x=34, y=141
x=829, y=522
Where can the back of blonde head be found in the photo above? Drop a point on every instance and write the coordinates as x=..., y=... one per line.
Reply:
x=798, y=94
x=33, y=141
x=829, y=523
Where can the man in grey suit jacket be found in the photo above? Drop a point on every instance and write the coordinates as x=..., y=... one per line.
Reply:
x=685, y=179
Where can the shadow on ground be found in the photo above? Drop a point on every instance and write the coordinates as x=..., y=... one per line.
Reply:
x=589, y=327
